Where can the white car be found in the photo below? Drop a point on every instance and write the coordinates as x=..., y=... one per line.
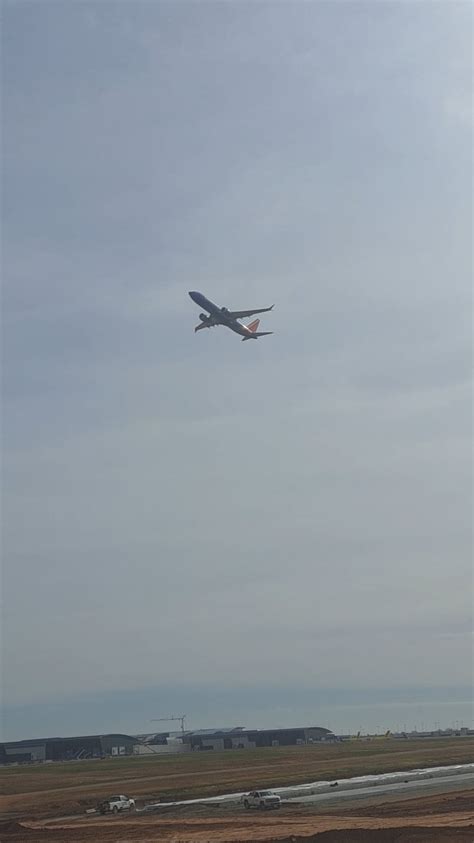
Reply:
x=263, y=799
x=116, y=804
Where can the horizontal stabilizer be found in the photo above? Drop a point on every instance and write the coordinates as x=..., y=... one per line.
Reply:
x=256, y=334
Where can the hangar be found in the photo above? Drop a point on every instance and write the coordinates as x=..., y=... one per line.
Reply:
x=240, y=738
x=66, y=749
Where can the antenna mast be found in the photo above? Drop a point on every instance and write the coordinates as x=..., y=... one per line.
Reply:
x=182, y=720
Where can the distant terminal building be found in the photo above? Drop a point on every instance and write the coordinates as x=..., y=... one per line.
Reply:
x=116, y=745
x=160, y=743
x=240, y=738
x=66, y=749
x=157, y=738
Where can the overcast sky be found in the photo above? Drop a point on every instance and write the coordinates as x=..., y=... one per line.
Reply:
x=275, y=533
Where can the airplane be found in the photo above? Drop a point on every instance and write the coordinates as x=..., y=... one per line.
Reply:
x=229, y=318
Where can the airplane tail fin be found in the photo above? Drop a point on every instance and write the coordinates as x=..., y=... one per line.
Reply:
x=255, y=334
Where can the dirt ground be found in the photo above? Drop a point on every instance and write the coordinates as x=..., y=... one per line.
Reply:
x=36, y=802
x=48, y=790
x=438, y=818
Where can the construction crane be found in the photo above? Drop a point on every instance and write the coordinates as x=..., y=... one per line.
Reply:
x=182, y=720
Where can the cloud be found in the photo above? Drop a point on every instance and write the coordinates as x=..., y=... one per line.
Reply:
x=182, y=500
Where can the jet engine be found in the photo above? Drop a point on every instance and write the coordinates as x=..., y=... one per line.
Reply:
x=203, y=317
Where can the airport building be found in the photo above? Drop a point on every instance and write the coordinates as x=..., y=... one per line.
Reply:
x=117, y=745
x=66, y=749
x=240, y=738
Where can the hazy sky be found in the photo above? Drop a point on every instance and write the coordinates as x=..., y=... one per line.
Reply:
x=265, y=533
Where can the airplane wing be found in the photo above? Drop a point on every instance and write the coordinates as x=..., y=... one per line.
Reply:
x=241, y=314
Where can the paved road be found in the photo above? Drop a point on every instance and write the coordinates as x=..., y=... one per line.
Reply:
x=383, y=792
x=441, y=784
x=418, y=781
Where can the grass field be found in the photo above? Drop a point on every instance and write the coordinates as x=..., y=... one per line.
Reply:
x=70, y=787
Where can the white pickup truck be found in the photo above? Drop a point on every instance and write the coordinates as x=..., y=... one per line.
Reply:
x=116, y=804
x=263, y=799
